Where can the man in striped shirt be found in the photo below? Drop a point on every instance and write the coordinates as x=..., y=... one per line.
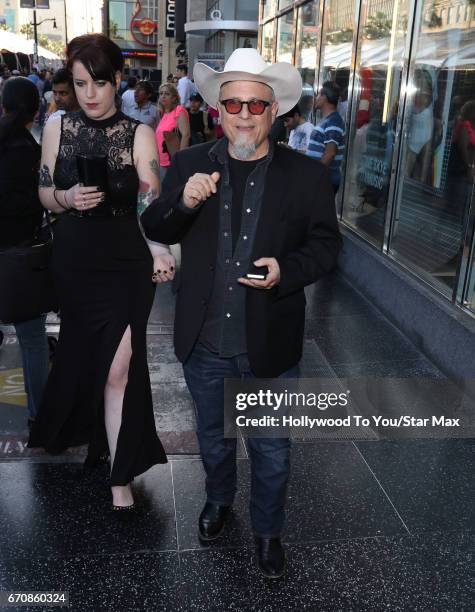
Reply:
x=328, y=138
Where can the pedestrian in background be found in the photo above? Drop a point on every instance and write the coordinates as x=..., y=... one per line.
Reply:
x=185, y=85
x=21, y=214
x=327, y=141
x=213, y=113
x=173, y=130
x=201, y=122
x=300, y=129
x=64, y=96
x=128, y=97
x=144, y=110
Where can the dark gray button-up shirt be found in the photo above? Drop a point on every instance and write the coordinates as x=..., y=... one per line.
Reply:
x=224, y=327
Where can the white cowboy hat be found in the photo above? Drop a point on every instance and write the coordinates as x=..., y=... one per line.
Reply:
x=247, y=65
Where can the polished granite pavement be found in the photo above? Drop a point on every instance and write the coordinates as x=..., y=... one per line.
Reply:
x=371, y=524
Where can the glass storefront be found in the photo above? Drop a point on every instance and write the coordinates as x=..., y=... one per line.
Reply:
x=308, y=44
x=436, y=174
x=406, y=74
x=285, y=38
x=370, y=146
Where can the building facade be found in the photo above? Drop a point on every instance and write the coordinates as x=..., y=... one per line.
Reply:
x=135, y=28
x=9, y=14
x=214, y=28
x=72, y=18
x=406, y=70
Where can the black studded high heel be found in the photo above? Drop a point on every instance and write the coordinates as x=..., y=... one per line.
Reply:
x=127, y=509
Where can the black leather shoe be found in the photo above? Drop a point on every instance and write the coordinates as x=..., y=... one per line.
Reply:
x=270, y=557
x=211, y=521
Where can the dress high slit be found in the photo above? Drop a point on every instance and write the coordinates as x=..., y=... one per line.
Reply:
x=102, y=268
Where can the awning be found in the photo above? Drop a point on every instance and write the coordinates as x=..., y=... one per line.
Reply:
x=12, y=43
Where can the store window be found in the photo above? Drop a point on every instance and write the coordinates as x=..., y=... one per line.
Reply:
x=307, y=48
x=284, y=4
x=246, y=40
x=468, y=289
x=338, y=27
x=436, y=180
x=370, y=143
x=285, y=38
x=268, y=8
x=247, y=10
x=268, y=42
x=117, y=20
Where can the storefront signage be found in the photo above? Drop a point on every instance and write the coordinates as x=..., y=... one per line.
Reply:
x=142, y=27
x=147, y=26
x=170, y=19
x=150, y=54
x=180, y=19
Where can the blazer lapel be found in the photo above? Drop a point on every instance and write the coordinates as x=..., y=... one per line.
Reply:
x=272, y=209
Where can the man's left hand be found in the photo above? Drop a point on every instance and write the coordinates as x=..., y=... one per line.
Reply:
x=272, y=279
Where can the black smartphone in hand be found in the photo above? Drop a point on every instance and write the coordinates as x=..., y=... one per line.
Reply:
x=258, y=272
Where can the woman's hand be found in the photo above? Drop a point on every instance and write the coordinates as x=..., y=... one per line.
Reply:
x=163, y=268
x=83, y=198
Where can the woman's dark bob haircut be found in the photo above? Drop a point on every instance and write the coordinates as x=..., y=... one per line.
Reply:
x=100, y=56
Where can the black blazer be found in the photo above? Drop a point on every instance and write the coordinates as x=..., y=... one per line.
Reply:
x=297, y=226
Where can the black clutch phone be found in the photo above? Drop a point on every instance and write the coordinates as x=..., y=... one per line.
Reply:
x=258, y=272
x=92, y=170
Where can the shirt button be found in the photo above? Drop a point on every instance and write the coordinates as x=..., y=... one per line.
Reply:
x=228, y=315
x=251, y=183
x=230, y=288
x=226, y=207
x=227, y=260
x=248, y=210
x=225, y=233
x=244, y=237
x=237, y=263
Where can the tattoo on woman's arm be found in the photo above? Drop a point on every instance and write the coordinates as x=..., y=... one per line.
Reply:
x=45, y=177
x=155, y=168
x=146, y=196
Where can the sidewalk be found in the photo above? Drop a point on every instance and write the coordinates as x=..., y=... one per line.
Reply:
x=371, y=525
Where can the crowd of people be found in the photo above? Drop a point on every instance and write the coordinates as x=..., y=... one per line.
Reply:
x=197, y=167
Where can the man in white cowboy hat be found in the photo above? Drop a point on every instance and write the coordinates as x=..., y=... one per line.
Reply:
x=231, y=204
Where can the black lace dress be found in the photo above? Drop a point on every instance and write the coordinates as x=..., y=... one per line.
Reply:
x=103, y=271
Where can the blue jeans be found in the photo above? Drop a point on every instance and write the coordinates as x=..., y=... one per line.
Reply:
x=35, y=356
x=205, y=372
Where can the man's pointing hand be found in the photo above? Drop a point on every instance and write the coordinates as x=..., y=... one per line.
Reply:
x=199, y=188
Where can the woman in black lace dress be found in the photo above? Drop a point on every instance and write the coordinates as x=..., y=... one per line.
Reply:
x=99, y=391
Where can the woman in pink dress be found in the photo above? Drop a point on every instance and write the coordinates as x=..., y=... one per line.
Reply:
x=173, y=116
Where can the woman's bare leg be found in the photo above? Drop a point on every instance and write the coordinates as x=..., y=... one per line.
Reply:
x=113, y=402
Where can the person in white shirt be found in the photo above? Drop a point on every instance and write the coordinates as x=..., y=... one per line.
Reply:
x=185, y=85
x=300, y=129
x=144, y=110
x=128, y=97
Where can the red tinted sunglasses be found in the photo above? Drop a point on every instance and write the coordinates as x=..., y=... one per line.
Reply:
x=256, y=107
